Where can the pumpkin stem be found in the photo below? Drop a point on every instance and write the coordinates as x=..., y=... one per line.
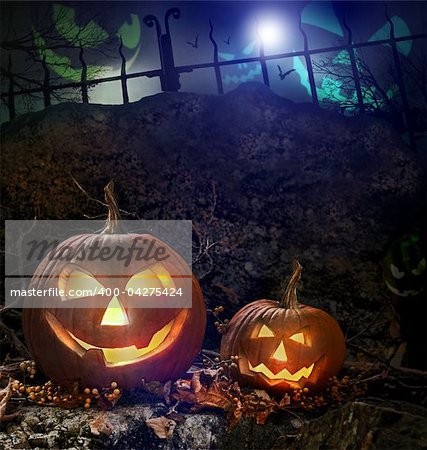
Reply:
x=112, y=223
x=289, y=299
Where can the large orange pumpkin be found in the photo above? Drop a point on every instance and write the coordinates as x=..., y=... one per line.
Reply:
x=113, y=341
x=284, y=346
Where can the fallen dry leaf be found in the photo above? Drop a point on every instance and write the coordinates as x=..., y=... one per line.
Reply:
x=212, y=373
x=200, y=396
x=158, y=389
x=185, y=396
x=261, y=416
x=215, y=397
x=196, y=384
x=177, y=417
x=234, y=416
x=5, y=395
x=101, y=425
x=261, y=394
x=162, y=426
x=286, y=400
x=105, y=403
x=183, y=384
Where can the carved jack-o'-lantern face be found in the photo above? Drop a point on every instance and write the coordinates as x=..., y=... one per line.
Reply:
x=404, y=266
x=116, y=341
x=95, y=333
x=282, y=348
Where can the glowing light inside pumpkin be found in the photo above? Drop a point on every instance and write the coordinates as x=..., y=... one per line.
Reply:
x=78, y=284
x=280, y=353
x=396, y=272
x=127, y=355
x=404, y=293
x=155, y=277
x=284, y=374
x=298, y=337
x=420, y=268
x=265, y=332
x=115, y=314
x=163, y=276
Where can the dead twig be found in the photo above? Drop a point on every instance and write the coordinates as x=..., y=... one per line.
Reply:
x=368, y=327
x=5, y=395
x=13, y=339
x=96, y=200
x=210, y=353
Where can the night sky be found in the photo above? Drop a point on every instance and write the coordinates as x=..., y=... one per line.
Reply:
x=234, y=31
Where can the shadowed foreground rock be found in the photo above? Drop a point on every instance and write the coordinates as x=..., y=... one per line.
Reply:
x=370, y=424
x=264, y=178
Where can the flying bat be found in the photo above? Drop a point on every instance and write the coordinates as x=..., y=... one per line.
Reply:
x=194, y=44
x=284, y=75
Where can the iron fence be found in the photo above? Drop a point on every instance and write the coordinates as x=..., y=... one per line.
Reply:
x=169, y=73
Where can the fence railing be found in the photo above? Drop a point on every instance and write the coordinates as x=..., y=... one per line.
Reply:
x=169, y=73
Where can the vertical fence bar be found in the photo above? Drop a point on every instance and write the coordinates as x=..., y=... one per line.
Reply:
x=11, y=94
x=308, y=64
x=152, y=21
x=171, y=75
x=123, y=78
x=85, y=96
x=215, y=60
x=262, y=58
x=401, y=83
x=46, y=80
x=354, y=69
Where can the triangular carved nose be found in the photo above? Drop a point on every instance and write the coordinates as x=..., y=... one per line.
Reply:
x=115, y=314
x=280, y=353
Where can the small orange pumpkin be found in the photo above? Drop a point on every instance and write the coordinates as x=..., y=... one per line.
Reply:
x=284, y=345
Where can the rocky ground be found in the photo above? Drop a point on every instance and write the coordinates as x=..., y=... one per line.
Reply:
x=262, y=178
x=365, y=424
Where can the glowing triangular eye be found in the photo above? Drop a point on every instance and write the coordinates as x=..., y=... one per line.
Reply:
x=145, y=279
x=396, y=272
x=78, y=284
x=298, y=337
x=164, y=276
x=420, y=268
x=265, y=332
x=155, y=277
x=115, y=314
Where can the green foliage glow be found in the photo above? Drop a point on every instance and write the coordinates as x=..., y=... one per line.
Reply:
x=88, y=35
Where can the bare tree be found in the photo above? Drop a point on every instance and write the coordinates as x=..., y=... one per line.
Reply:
x=49, y=46
x=379, y=84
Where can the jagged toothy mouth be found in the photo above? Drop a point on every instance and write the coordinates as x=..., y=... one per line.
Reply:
x=405, y=293
x=284, y=374
x=127, y=355
x=120, y=356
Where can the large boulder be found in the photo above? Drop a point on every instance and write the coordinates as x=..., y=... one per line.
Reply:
x=262, y=178
x=368, y=424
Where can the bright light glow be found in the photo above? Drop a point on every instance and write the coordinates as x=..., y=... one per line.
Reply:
x=298, y=337
x=265, y=332
x=270, y=31
x=115, y=314
x=280, y=353
x=284, y=374
x=77, y=284
x=128, y=355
